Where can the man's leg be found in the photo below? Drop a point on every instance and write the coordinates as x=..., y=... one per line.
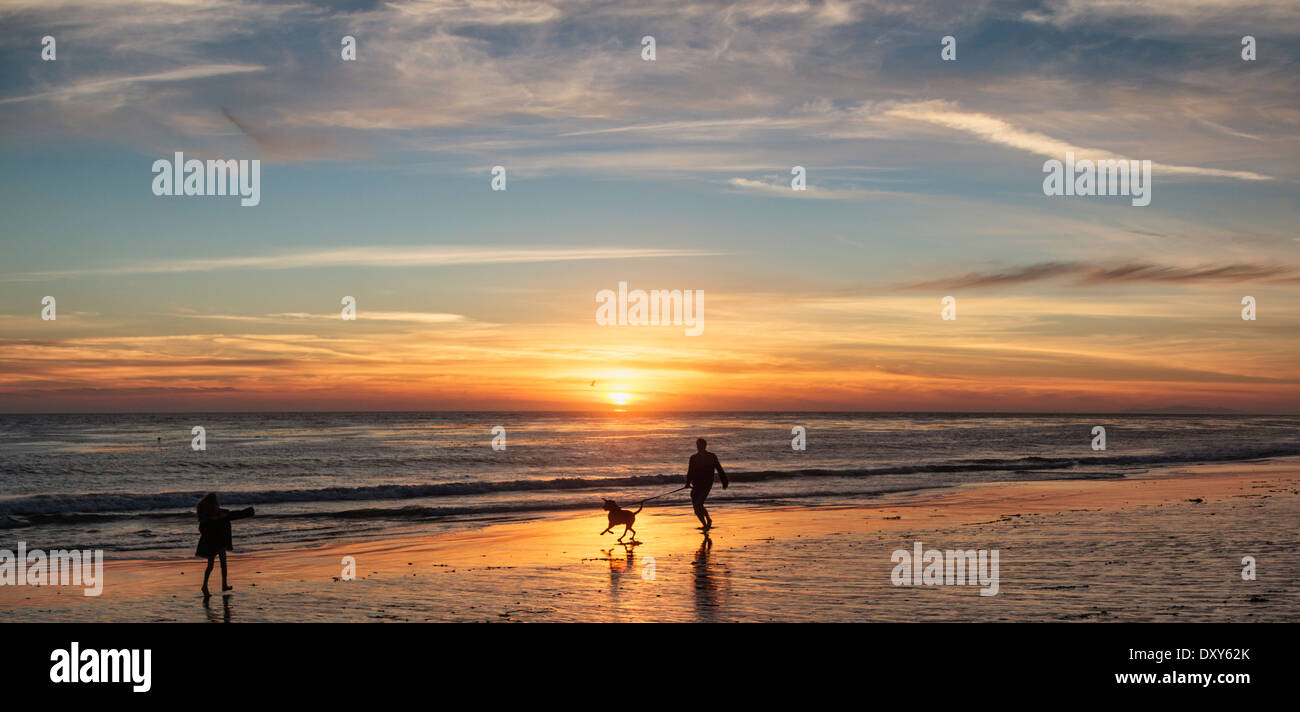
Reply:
x=224, y=587
x=698, y=495
x=700, y=512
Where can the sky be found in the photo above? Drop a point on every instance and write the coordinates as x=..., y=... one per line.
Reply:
x=924, y=179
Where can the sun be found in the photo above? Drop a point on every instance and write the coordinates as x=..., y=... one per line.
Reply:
x=619, y=398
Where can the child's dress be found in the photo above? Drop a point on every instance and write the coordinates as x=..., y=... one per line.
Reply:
x=214, y=534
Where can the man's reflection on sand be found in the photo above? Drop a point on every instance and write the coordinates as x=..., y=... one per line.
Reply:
x=707, y=586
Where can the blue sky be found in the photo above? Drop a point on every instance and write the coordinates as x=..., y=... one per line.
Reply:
x=673, y=173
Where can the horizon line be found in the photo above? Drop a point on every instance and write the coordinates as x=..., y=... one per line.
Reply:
x=1171, y=412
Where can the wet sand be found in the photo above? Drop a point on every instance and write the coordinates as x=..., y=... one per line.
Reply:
x=1138, y=548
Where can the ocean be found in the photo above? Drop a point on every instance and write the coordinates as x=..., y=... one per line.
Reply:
x=129, y=483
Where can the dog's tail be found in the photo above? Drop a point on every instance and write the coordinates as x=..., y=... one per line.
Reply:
x=638, y=509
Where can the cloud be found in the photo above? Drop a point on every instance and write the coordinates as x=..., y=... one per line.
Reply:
x=121, y=84
x=561, y=84
x=1018, y=275
x=1099, y=275
x=281, y=147
x=995, y=130
x=481, y=13
x=394, y=316
x=778, y=190
x=1229, y=131
x=1094, y=275
x=1167, y=12
x=376, y=256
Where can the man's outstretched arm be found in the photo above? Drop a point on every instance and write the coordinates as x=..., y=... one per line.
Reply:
x=722, y=475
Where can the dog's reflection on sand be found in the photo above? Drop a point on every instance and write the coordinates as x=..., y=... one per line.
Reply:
x=621, y=564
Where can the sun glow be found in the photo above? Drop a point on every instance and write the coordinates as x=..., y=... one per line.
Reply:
x=619, y=398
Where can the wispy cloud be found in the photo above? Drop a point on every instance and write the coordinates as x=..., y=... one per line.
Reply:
x=1165, y=12
x=995, y=130
x=393, y=316
x=812, y=192
x=281, y=147
x=103, y=85
x=1094, y=275
x=766, y=77
x=377, y=256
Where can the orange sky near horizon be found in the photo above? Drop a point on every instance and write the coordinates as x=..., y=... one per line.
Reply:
x=757, y=352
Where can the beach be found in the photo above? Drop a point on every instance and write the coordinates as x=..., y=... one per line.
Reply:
x=1164, y=545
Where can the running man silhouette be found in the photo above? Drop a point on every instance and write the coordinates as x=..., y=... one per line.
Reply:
x=699, y=477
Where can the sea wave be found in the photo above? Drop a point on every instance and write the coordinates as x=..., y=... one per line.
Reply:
x=30, y=509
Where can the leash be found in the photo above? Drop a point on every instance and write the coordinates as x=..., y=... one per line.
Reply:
x=665, y=494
